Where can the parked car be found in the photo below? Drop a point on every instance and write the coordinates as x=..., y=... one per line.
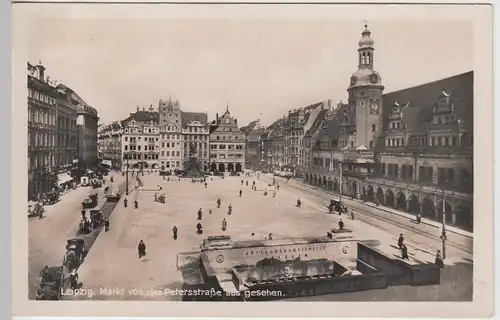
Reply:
x=113, y=196
x=50, y=197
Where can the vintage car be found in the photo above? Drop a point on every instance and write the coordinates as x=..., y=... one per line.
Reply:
x=336, y=206
x=96, y=183
x=75, y=253
x=51, y=283
x=96, y=219
x=35, y=209
x=113, y=196
x=90, y=202
x=50, y=197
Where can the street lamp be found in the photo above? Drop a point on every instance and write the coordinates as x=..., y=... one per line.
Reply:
x=443, y=221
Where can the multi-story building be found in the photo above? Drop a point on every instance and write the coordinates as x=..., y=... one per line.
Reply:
x=276, y=155
x=227, y=145
x=67, y=134
x=294, y=128
x=254, y=147
x=410, y=150
x=195, y=138
x=110, y=145
x=87, y=123
x=42, y=132
x=140, y=141
x=171, y=145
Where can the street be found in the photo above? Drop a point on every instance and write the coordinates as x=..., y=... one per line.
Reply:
x=47, y=237
x=112, y=267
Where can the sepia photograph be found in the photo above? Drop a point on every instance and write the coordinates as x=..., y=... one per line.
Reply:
x=228, y=157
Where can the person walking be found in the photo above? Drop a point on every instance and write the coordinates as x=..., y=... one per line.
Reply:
x=401, y=239
x=141, y=248
x=224, y=224
x=240, y=193
x=404, y=253
x=229, y=209
x=174, y=231
x=106, y=225
x=218, y=202
x=200, y=214
x=270, y=237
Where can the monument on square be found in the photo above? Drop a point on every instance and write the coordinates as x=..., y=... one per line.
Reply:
x=193, y=166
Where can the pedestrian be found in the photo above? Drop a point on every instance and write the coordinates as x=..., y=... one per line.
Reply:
x=209, y=211
x=278, y=186
x=341, y=224
x=419, y=218
x=83, y=214
x=270, y=237
x=205, y=184
x=401, y=239
x=106, y=225
x=240, y=193
x=224, y=224
x=404, y=253
x=241, y=182
x=125, y=202
x=274, y=193
x=352, y=214
x=230, y=209
x=200, y=214
x=156, y=197
x=141, y=248
x=439, y=260
x=136, y=203
x=174, y=230
x=199, y=228
x=247, y=183
x=218, y=202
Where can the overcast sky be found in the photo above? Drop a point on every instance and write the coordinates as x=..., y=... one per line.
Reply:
x=260, y=68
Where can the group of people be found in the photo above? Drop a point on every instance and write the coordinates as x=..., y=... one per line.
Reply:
x=439, y=261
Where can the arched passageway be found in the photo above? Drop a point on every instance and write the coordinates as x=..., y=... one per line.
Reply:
x=370, y=196
x=238, y=167
x=213, y=167
x=354, y=188
x=335, y=185
x=447, y=208
x=413, y=204
x=401, y=201
x=221, y=167
x=324, y=182
x=329, y=183
x=389, y=199
x=428, y=208
x=380, y=196
x=465, y=217
x=230, y=167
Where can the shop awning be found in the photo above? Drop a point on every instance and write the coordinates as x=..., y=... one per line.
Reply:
x=63, y=178
x=106, y=162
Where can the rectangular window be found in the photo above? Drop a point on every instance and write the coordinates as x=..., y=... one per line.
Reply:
x=373, y=128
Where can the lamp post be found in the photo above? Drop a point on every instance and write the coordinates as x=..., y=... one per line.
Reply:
x=443, y=221
x=126, y=178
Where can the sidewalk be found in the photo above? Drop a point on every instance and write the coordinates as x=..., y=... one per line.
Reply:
x=410, y=217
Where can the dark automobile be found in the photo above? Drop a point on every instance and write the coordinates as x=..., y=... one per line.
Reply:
x=50, y=197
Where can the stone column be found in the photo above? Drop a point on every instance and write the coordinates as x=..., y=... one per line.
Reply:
x=453, y=217
x=435, y=175
x=422, y=209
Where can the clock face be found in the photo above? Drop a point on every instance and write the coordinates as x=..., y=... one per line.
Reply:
x=374, y=107
x=374, y=78
x=353, y=81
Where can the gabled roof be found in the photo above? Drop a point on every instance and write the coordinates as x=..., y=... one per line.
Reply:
x=193, y=116
x=418, y=114
x=143, y=116
x=317, y=123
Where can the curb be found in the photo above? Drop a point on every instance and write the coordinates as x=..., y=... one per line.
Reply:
x=385, y=210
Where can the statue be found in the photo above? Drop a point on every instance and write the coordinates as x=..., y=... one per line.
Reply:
x=192, y=149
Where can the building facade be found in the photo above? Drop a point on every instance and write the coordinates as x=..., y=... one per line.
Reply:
x=110, y=145
x=227, y=145
x=140, y=141
x=410, y=150
x=171, y=142
x=87, y=124
x=254, y=148
x=195, y=138
x=42, y=133
x=294, y=127
x=67, y=133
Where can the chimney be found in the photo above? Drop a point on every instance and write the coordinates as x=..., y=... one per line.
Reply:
x=41, y=71
x=216, y=118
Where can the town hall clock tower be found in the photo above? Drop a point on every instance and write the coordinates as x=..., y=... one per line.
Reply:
x=365, y=95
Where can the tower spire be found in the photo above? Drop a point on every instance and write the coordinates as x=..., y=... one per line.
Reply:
x=366, y=49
